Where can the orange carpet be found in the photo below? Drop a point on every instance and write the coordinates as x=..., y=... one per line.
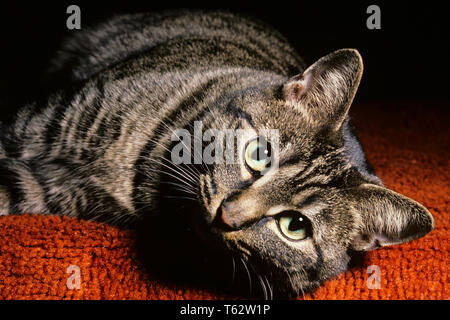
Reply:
x=408, y=144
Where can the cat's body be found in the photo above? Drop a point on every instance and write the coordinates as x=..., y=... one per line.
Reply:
x=101, y=150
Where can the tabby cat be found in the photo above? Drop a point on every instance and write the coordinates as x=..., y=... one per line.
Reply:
x=101, y=149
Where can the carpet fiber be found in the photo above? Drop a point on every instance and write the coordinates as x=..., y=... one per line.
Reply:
x=408, y=144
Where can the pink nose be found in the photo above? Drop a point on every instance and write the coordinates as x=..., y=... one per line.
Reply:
x=224, y=218
x=230, y=216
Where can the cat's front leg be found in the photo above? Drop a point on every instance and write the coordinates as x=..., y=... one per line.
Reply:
x=4, y=201
x=20, y=191
x=5, y=196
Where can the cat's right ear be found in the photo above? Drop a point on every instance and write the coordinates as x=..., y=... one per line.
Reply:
x=324, y=92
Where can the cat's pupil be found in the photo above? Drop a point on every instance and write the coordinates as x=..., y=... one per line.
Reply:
x=261, y=153
x=296, y=224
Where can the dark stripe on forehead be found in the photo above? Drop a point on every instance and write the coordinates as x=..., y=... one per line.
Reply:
x=232, y=109
x=335, y=182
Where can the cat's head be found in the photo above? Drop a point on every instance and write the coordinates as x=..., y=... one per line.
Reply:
x=294, y=214
x=299, y=199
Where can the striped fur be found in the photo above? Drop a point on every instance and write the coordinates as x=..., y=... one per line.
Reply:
x=100, y=149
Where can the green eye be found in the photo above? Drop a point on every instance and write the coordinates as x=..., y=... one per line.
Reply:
x=294, y=226
x=258, y=154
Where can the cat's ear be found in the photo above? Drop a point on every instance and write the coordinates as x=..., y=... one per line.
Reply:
x=386, y=217
x=324, y=92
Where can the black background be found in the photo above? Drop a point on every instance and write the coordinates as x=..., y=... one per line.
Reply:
x=406, y=59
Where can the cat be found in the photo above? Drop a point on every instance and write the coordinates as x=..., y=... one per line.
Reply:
x=101, y=149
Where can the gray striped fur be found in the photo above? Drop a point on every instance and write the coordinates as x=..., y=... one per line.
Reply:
x=99, y=150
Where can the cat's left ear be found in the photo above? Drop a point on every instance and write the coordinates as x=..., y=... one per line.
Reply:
x=386, y=217
x=324, y=92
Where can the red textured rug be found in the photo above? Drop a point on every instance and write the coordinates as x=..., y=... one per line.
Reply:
x=408, y=144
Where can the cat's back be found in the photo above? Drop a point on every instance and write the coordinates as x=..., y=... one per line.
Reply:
x=179, y=40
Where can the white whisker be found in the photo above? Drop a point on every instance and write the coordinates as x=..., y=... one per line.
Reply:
x=248, y=274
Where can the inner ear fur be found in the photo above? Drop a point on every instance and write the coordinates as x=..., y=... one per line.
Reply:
x=324, y=92
x=387, y=217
